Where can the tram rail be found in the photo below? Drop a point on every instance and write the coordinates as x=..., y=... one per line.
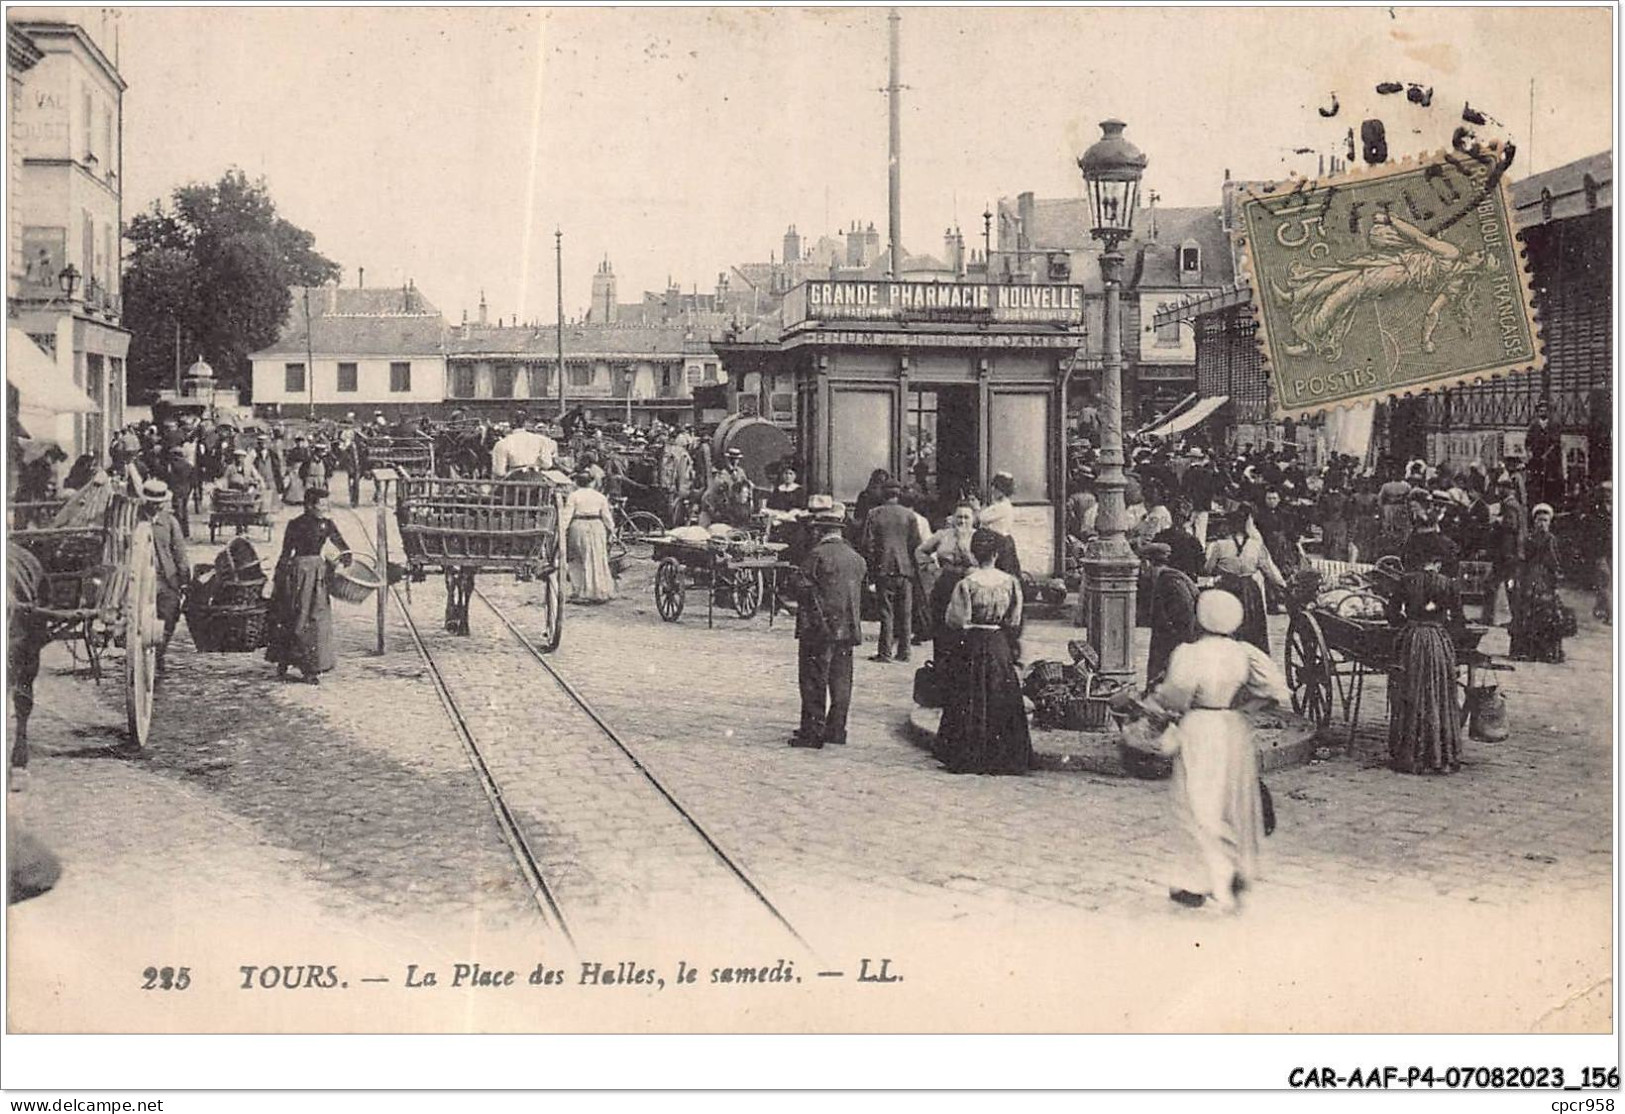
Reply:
x=522, y=844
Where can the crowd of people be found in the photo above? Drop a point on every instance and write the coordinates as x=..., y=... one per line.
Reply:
x=1250, y=517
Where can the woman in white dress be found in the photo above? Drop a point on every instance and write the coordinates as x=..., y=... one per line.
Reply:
x=1215, y=788
x=587, y=523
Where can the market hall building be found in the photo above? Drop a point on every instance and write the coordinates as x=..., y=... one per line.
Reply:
x=943, y=384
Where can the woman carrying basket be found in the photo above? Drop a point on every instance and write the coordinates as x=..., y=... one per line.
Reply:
x=300, y=618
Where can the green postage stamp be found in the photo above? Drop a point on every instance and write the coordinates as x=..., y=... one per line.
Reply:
x=1398, y=279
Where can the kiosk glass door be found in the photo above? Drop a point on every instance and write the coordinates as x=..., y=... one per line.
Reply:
x=943, y=443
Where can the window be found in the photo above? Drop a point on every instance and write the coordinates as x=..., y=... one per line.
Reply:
x=400, y=377
x=462, y=381
x=860, y=438
x=347, y=377
x=293, y=378
x=1190, y=259
x=1018, y=442
x=538, y=374
x=710, y=372
x=107, y=140
x=1167, y=335
x=90, y=147
x=580, y=375
x=665, y=378
x=502, y=380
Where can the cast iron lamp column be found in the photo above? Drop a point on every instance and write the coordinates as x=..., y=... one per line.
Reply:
x=1111, y=171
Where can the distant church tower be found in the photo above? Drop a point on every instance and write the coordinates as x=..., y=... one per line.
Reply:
x=603, y=311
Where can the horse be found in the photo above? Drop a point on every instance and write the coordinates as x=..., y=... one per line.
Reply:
x=29, y=632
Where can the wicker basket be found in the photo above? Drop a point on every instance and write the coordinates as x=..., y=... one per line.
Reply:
x=229, y=630
x=1092, y=711
x=356, y=582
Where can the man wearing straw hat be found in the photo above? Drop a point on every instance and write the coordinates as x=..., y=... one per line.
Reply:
x=169, y=548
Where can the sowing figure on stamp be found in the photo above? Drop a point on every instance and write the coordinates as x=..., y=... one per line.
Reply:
x=1324, y=299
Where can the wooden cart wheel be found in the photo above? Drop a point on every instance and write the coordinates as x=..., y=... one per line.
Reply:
x=747, y=593
x=639, y=532
x=1309, y=670
x=669, y=589
x=142, y=634
x=552, y=610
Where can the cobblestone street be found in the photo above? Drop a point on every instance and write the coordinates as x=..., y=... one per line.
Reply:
x=345, y=824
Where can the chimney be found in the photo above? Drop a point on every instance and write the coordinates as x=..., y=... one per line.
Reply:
x=482, y=307
x=361, y=278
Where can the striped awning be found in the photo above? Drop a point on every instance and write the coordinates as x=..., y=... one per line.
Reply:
x=1188, y=419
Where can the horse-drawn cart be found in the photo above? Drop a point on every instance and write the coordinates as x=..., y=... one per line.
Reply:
x=734, y=571
x=1333, y=644
x=466, y=527
x=92, y=586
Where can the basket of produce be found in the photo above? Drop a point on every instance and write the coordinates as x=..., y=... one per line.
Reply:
x=355, y=582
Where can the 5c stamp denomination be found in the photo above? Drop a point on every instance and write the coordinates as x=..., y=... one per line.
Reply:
x=1402, y=278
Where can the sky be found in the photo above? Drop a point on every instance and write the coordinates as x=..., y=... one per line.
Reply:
x=445, y=145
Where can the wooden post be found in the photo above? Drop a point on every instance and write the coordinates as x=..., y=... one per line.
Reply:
x=382, y=477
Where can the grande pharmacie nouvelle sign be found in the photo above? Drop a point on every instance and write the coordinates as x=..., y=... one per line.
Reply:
x=935, y=301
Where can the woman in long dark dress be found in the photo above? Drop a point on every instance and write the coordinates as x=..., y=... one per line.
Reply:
x=1424, y=726
x=300, y=617
x=1538, y=627
x=984, y=721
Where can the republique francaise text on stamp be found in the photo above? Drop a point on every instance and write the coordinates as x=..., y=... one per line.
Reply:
x=1401, y=278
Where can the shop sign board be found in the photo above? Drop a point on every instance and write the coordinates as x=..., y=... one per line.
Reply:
x=844, y=300
x=865, y=338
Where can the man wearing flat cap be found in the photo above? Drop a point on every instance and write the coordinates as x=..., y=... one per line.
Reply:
x=828, y=624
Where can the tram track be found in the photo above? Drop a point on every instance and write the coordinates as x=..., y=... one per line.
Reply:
x=591, y=827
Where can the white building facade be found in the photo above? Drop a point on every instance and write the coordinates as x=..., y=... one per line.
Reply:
x=66, y=212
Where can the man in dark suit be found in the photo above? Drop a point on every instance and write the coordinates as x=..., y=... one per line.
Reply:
x=891, y=534
x=1544, y=445
x=828, y=625
x=182, y=479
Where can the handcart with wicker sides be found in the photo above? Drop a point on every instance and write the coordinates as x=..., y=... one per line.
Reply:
x=239, y=511
x=99, y=590
x=410, y=454
x=463, y=527
x=1340, y=634
x=735, y=570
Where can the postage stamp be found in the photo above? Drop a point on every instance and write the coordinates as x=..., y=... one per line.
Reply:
x=1398, y=279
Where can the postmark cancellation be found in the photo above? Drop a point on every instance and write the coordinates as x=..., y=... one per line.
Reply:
x=1398, y=279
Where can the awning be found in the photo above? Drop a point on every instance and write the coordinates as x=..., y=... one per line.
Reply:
x=39, y=381
x=1190, y=418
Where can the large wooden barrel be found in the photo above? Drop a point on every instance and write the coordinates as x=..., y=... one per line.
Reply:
x=760, y=441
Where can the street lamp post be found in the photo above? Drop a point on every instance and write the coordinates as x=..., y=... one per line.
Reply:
x=1111, y=170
